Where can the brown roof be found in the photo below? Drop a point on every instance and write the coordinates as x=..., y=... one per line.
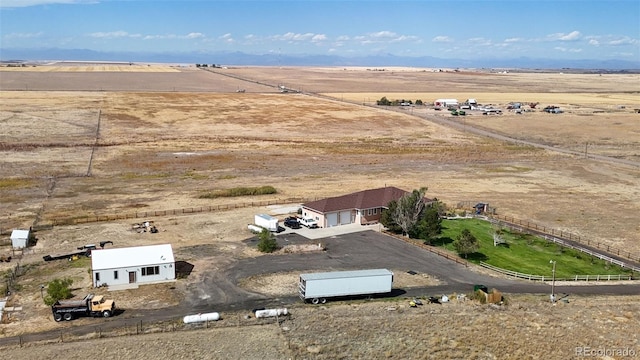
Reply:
x=367, y=199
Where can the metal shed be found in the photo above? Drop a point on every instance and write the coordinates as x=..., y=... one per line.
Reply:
x=20, y=238
x=133, y=265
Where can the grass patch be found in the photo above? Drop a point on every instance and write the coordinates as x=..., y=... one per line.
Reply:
x=190, y=174
x=509, y=169
x=525, y=253
x=14, y=183
x=132, y=176
x=227, y=177
x=239, y=191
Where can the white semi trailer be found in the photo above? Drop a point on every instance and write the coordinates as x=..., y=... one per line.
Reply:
x=318, y=287
x=266, y=221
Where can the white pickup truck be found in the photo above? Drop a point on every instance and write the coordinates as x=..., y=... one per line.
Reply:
x=308, y=222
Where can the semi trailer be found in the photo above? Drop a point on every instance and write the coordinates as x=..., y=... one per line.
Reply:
x=318, y=287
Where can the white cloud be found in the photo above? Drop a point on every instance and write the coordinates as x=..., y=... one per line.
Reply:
x=194, y=35
x=23, y=35
x=383, y=34
x=293, y=36
x=572, y=36
x=319, y=38
x=110, y=34
x=513, y=40
x=563, y=49
x=594, y=42
x=27, y=3
x=442, y=38
x=481, y=41
x=343, y=38
x=227, y=38
x=623, y=41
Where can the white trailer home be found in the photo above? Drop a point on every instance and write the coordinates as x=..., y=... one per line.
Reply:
x=133, y=265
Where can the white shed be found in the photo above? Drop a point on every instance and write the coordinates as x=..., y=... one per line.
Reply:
x=133, y=265
x=20, y=238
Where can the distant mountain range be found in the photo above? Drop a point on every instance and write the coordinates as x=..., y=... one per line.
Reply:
x=244, y=59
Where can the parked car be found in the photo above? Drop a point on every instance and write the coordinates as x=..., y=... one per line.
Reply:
x=292, y=223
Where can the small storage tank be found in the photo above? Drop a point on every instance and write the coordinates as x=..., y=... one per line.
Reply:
x=271, y=313
x=201, y=317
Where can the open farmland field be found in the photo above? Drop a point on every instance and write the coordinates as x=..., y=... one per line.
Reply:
x=97, y=142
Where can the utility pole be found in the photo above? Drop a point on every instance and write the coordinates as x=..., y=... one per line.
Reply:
x=553, y=281
x=585, y=150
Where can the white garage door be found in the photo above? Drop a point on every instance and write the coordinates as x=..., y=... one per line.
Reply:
x=332, y=219
x=345, y=217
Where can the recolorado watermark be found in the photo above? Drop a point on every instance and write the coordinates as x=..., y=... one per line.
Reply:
x=597, y=352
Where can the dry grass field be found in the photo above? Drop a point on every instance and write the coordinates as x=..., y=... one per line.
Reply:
x=100, y=141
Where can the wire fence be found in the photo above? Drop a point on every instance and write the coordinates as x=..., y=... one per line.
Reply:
x=140, y=327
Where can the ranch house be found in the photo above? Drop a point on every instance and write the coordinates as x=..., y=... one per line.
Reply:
x=363, y=207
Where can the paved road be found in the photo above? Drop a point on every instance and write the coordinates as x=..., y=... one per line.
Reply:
x=494, y=135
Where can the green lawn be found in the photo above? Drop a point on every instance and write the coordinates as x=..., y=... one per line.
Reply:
x=524, y=253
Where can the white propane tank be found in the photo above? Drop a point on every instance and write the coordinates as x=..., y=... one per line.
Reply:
x=271, y=312
x=201, y=317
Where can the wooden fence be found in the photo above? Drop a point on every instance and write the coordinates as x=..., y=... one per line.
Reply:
x=528, y=229
x=550, y=278
x=172, y=212
x=542, y=230
x=433, y=249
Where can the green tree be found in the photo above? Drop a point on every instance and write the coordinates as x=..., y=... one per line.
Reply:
x=267, y=243
x=429, y=226
x=387, y=220
x=383, y=101
x=409, y=210
x=466, y=243
x=58, y=289
x=419, y=102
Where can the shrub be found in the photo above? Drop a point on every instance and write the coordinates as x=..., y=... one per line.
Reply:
x=267, y=243
x=58, y=289
x=239, y=191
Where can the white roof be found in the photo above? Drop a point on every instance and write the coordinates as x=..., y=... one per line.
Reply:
x=131, y=256
x=19, y=234
x=345, y=274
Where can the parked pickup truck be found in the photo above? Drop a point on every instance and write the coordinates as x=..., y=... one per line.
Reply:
x=91, y=305
x=308, y=222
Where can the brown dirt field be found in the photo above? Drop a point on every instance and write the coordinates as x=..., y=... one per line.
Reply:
x=160, y=150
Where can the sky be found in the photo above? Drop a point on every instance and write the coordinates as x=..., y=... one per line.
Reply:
x=564, y=29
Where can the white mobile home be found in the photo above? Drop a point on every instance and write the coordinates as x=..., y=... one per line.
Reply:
x=133, y=265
